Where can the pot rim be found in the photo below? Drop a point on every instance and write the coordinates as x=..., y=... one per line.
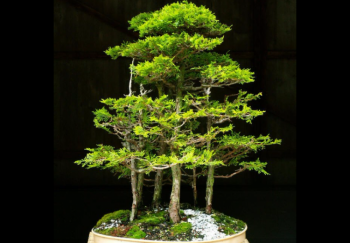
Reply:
x=139, y=240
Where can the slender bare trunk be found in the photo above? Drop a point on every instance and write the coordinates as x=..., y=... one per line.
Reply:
x=160, y=90
x=133, y=165
x=158, y=182
x=157, y=189
x=209, y=190
x=140, y=177
x=194, y=186
x=210, y=179
x=174, y=206
x=134, y=191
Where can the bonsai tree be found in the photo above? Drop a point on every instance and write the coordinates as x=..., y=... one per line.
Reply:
x=173, y=56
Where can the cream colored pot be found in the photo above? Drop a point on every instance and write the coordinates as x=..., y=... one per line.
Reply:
x=99, y=238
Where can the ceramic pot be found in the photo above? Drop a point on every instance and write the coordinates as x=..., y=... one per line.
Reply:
x=99, y=238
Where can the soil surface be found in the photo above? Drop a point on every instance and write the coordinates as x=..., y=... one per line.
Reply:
x=155, y=224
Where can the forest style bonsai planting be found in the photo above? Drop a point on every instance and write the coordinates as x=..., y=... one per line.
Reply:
x=160, y=131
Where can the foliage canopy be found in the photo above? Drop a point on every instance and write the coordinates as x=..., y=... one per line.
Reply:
x=174, y=55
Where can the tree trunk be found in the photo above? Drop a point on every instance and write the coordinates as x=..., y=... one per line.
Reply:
x=209, y=190
x=157, y=189
x=160, y=89
x=210, y=178
x=140, y=176
x=158, y=182
x=174, y=206
x=140, y=188
x=134, y=192
x=194, y=186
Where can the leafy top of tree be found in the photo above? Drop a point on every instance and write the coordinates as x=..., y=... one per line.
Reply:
x=178, y=17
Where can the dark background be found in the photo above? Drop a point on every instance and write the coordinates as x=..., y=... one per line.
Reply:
x=263, y=38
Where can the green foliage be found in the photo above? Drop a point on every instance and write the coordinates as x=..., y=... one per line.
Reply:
x=160, y=68
x=220, y=112
x=97, y=156
x=105, y=157
x=237, y=141
x=159, y=118
x=181, y=228
x=229, y=73
x=205, y=58
x=120, y=214
x=178, y=17
x=255, y=165
x=135, y=233
x=234, y=147
x=140, y=131
x=178, y=46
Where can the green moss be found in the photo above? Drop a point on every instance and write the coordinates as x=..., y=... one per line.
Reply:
x=217, y=219
x=151, y=218
x=241, y=224
x=228, y=225
x=135, y=233
x=229, y=231
x=181, y=228
x=161, y=213
x=120, y=214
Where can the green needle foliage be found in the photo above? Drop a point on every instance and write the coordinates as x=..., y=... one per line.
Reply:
x=176, y=18
x=174, y=56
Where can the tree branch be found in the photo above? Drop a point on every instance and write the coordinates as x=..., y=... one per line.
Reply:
x=235, y=173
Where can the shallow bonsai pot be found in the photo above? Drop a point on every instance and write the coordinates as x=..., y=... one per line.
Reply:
x=99, y=238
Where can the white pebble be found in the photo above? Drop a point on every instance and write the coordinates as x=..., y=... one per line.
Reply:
x=204, y=224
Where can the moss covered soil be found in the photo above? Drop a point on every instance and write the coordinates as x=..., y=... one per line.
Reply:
x=156, y=225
